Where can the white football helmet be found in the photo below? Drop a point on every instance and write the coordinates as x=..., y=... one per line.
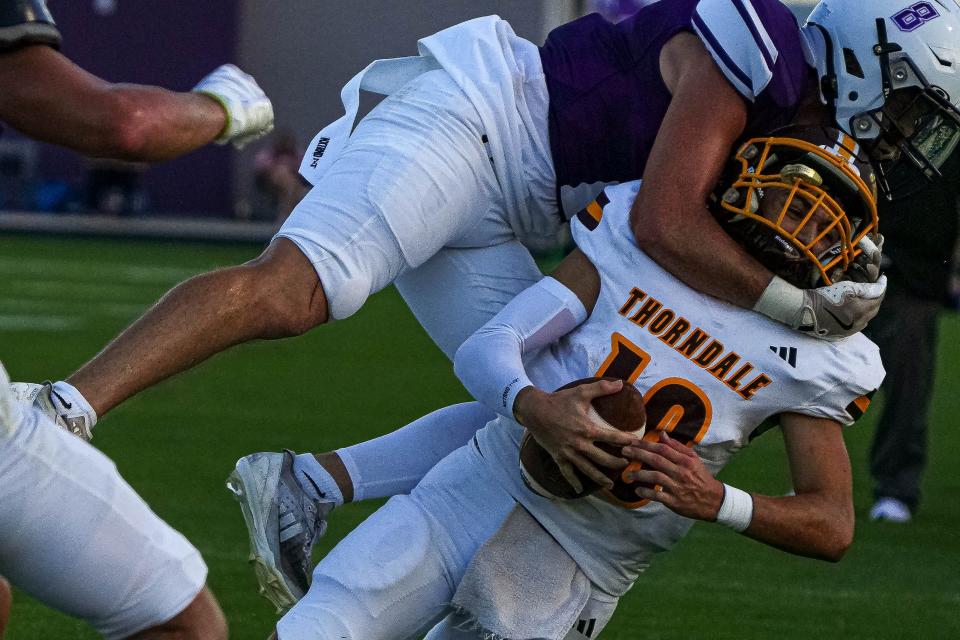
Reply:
x=891, y=70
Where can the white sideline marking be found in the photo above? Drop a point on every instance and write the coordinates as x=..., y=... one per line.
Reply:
x=98, y=271
x=36, y=323
x=50, y=306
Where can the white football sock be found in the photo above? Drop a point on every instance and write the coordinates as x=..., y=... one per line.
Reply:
x=316, y=481
x=68, y=400
x=394, y=463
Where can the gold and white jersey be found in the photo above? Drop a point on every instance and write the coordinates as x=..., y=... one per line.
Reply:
x=714, y=375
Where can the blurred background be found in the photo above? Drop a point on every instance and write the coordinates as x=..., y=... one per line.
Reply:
x=300, y=52
x=63, y=296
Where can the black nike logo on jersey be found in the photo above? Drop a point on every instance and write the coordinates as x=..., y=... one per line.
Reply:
x=788, y=354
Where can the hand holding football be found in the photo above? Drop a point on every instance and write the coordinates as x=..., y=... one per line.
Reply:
x=623, y=410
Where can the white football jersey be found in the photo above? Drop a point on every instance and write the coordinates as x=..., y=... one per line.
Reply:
x=712, y=374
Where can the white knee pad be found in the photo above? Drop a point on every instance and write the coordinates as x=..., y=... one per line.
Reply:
x=349, y=295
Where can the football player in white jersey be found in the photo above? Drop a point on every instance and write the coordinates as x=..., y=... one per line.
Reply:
x=714, y=376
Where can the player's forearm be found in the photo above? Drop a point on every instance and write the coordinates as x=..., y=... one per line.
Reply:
x=127, y=122
x=490, y=362
x=693, y=247
x=76, y=109
x=807, y=525
x=157, y=124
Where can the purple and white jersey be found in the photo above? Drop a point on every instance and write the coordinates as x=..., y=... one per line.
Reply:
x=608, y=99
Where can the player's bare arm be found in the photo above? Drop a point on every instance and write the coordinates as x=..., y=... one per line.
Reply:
x=670, y=214
x=817, y=522
x=76, y=109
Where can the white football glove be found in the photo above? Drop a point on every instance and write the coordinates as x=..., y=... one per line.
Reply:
x=866, y=266
x=831, y=313
x=249, y=111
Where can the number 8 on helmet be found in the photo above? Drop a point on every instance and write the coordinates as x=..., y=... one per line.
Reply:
x=890, y=70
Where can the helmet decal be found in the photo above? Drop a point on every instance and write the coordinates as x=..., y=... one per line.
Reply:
x=915, y=15
x=890, y=69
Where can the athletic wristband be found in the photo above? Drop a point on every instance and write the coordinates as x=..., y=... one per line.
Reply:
x=736, y=511
x=781, y=301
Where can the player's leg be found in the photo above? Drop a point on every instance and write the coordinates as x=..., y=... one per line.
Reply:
x=414, y=176
x=898, y=453
x=393, y=577
x=202, y=619
x=452, y=294
x=459, y=289
x=286, y=499
x=78, y=538
x=274, y=296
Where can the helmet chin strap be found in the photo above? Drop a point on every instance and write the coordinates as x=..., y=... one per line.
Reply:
x=882, y=50
x=828, y=83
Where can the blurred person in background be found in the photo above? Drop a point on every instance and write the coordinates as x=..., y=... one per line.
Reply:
x=113, y=187
x=73, y=533
x=276, y=170
x=921, y=233
x=6, y=598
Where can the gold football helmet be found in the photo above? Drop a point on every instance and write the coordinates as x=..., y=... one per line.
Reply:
x=801, y=201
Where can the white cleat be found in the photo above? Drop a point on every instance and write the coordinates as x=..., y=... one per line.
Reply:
x=283, y=524
x=890, y=510
x=58, y=409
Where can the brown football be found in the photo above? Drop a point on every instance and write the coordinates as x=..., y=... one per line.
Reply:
x=623, y=410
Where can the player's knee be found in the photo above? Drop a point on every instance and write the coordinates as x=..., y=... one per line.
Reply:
x=283, y=288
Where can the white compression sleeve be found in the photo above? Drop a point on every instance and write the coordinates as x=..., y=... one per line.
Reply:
x=490, y=362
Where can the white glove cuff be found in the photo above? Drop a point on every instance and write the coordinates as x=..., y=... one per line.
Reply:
x=736, y=511
x=781, y=301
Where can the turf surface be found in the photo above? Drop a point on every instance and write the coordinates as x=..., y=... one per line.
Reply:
x=62, y=299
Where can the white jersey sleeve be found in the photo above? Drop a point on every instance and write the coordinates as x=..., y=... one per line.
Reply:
x=858, y=372
x=490, y=362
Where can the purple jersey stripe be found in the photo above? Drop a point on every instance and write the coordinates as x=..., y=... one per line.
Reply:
x=748, y=19
x=718, y=49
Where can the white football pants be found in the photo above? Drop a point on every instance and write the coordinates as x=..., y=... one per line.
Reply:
x=78, y=538
x=392, y=578
x=413, y=199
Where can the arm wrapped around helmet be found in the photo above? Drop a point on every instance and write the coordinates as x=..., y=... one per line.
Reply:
x=803, y=203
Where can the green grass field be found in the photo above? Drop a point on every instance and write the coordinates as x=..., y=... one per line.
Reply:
x=61, y=300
